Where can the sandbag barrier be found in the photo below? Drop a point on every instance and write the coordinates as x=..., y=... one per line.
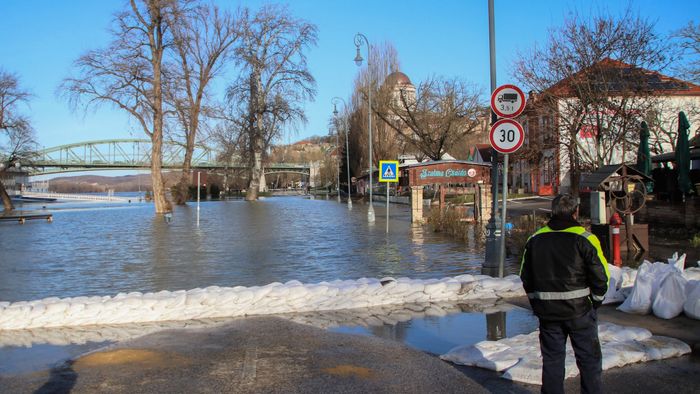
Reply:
x=520, y=359
x=366, y=317
x=664, y=289
x=274, y=298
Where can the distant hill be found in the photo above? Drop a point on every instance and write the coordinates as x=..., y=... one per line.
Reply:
x=98, y=183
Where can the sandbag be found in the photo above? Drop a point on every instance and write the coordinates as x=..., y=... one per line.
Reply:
x=669, y=301
x=677, y=262
x=639, y=301
x=691, y=306
x=614, y=284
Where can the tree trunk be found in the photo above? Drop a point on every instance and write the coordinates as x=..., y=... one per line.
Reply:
x=182, y=191
x=256, y=171
x=159, y=198
x=182, y=188
x=6, y=201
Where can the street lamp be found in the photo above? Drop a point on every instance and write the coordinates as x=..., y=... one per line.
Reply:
x=347, y=148
x=337, y=160
x=359, y=37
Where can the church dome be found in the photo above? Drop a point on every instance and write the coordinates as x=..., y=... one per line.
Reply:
x=397, y=78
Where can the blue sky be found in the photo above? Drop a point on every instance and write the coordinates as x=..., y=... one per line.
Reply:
x=39, y=40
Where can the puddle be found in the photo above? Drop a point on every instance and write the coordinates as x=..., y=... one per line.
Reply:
x=464, y=324
x=15, y=360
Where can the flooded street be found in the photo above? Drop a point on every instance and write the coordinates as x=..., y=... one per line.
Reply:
x=104, y=249
x=107, y=248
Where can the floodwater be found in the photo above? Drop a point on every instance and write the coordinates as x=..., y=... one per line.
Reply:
x=107, y=248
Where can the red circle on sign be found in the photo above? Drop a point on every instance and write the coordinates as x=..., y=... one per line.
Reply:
x=494, y=97
x=505, y=144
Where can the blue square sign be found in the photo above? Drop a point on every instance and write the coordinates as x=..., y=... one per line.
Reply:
x=388, y=171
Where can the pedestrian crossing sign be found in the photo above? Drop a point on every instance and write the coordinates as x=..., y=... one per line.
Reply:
x=388, y=171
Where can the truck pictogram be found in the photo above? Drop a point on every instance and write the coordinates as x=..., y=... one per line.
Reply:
x=510, y=97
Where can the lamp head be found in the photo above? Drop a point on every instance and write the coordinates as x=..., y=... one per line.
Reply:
x=335, y=110
x=358, y=57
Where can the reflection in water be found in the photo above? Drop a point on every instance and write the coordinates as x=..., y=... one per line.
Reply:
x=495, y=326
x=435, y=328
x=104, y=249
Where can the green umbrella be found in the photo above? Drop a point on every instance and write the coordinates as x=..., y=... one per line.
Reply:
x=643, y=154
x=683, y=155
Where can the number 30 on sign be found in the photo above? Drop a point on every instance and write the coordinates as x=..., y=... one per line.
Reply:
x=507, y=136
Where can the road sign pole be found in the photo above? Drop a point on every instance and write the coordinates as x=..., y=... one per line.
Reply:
x=502, y=255
x=491, y=257
x=387, y=208
x=388, y=173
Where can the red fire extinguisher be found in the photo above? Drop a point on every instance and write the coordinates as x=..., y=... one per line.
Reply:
x=615, y=222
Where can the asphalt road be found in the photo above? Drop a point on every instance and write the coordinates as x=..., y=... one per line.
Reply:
x=274, y=355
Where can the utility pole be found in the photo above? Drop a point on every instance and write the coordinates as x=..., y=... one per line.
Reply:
x=493, y=250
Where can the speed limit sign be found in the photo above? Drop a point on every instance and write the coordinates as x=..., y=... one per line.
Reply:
x=506, y=136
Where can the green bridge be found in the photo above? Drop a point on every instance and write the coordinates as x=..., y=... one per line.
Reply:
x=134, y=154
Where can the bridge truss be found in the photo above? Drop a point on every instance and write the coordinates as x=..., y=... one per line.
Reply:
x=133, y=154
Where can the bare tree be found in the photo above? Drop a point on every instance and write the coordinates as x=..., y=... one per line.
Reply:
x=17, y=143
x=274, y=82
x=383, y=62
x=593, y=87
x=129, y=75
x=690, y=43
x=440, y=113
x=204, y=39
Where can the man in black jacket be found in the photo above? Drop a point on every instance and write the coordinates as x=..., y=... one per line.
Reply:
x=565, y=276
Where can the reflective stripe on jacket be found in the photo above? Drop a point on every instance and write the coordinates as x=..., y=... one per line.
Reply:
x=562, y=269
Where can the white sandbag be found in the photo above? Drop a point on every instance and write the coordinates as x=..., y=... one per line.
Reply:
x=692, y=273
x=614, y=284
x=660, y=347
x=691, y=306
x=629, y=275
x=659, y=272
x=639, y=302
x=668, y=302
x=609, y=332
x=677, y=262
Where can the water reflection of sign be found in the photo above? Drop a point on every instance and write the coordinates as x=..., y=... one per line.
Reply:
x=471, y=173
x=448, y=173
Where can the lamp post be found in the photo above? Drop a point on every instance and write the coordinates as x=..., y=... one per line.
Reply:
x=347, y=148
x=359, y=37
x=337, y=160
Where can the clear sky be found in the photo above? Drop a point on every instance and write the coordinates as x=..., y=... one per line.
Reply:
x=40, y=39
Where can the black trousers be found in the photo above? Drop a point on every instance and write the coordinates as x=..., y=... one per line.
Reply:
x=583, y=333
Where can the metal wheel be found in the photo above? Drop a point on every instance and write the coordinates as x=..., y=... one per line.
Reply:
x=630, y=195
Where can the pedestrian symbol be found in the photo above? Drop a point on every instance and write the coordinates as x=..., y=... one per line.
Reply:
x=388, y=171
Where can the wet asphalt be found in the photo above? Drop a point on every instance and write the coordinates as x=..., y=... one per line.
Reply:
x=274, y=355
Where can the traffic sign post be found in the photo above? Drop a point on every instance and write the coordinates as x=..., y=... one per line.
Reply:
x=506, y=136
x=388, y=173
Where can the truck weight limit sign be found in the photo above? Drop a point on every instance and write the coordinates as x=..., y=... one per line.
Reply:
x=506, y=136
x=507, y=101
